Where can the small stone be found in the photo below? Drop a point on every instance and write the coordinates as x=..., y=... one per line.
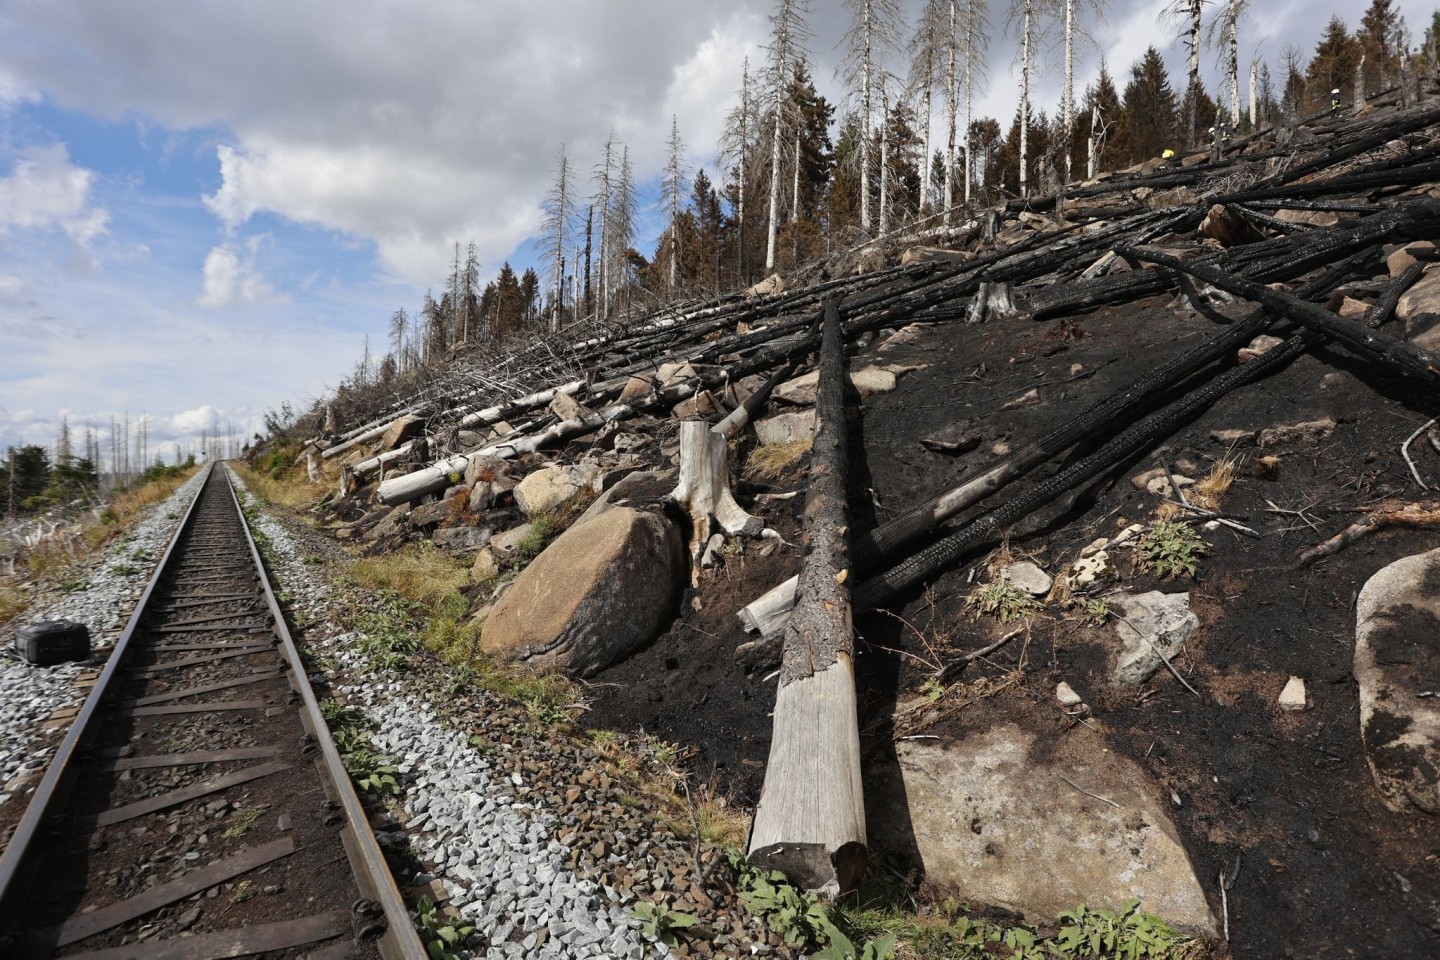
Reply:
x=1030, y=398
x=1067, y=696
x=1311, y=431
x=1293, y=696
x=1028, y=577
x=1257, y=347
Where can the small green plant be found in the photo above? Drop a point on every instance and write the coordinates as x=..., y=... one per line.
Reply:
x=245, y=891
x=999, y=599
x=386, y=643
x=800, y=918
x=932, y=690
x=1095, y=611
x=242, y=821
x=372, y=772
x=1124, y=935
x=1170, y=549
x=122, y=569
x=659, y=922
x=543, y=529
x=441, y=937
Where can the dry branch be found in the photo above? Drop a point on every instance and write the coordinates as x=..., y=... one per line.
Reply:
x=1419, y=514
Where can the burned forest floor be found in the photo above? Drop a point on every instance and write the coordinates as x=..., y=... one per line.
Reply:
x=1324, y=869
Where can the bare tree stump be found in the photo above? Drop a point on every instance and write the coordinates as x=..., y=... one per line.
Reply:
x=704, y=491
x=810, y=821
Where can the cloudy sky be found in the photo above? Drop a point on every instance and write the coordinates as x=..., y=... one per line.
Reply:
x=205, y=207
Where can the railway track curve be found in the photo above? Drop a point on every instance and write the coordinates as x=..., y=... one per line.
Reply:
x=198, y=808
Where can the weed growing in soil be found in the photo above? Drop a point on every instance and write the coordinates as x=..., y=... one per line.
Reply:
x=1170, y=549
x=659, y=922
x=242, y=821
x=13, y=602
x=372, y=772
x=884, y=907
x=1211, y=489
x=440, y=936
x=543, y=528
x=802, y=919
x=1127, y=934
x=1002, y=600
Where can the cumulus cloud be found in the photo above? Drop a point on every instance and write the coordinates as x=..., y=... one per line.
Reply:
x=412, y=127
x=45, y=191
x=231, y=276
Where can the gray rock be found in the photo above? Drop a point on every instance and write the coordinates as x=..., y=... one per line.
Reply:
x=1396, y=661
x=1145, y=623
x=786, y=427
x=1028, y=577
x=993, y=821
x=461, y=541
x=1311, y=431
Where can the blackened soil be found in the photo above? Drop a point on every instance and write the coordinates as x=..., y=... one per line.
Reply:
x=1324, y=869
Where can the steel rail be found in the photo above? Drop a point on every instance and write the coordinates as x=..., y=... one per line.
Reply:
x=400, y=941
x=55, y=786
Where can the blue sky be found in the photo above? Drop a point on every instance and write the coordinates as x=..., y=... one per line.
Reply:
x=206, y=207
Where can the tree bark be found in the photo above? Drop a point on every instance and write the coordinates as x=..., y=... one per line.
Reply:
x=810, y=821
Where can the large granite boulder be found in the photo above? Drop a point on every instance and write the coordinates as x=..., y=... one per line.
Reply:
x=1397, y=667
x=1009, y=818
x=595, y=595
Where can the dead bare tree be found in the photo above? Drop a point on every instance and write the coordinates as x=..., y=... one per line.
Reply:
x=787, y=48
x=559, y=213
x=874, y=34
x=1189, y=13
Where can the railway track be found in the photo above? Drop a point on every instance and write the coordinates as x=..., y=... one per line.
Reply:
x=197, y=808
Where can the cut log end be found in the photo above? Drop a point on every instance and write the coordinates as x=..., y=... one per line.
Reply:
x=810, y=866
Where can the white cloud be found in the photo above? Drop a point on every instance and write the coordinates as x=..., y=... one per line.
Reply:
x=46, y=191
x=192, y=421
x=709, y=77
x=231, y=276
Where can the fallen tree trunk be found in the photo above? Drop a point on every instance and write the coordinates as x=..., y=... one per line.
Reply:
x=1403, y=125
x=1399, y=355
x=810, y=821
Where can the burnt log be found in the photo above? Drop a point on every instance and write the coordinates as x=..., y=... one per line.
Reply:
x=1399, y=355
x=768, y=613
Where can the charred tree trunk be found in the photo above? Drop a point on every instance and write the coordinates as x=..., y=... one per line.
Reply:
x=1399, y=355
x=810, y=821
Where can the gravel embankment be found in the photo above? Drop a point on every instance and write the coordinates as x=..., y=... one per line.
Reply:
x=109, y=587
x=537, y=847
